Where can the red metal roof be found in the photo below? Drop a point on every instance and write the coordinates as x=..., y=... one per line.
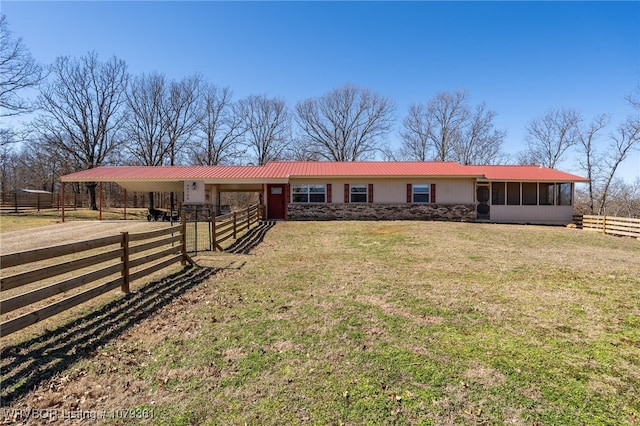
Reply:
x=165, y=173
x=524, y=173
x=285, y=170
x=366, y=168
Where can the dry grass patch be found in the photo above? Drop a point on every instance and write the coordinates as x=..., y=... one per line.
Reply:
x=34, y=219
x=386, y=323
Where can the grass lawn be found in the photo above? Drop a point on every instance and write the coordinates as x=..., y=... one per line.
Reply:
x=384, y=323
x=31, y=219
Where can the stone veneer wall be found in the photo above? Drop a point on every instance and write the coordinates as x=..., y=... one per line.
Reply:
x=373, y=211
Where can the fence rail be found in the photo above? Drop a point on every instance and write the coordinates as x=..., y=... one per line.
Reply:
x=622, y=226
x=228, y=225
x=150, y=247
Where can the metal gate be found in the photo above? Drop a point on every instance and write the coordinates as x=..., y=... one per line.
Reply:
x=198, y=228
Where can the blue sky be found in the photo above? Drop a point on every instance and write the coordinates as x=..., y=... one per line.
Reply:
x=521, y=58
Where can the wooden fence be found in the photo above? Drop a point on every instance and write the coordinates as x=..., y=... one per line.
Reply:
x=228, y=225
x=18, y=202
x=622, y=226
x=139, y=251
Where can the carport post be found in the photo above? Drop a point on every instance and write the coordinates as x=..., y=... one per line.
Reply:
x=125, y=204
x=100, y=190
x=62, y=199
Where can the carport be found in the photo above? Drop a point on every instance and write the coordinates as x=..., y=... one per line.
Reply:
x=199, y=185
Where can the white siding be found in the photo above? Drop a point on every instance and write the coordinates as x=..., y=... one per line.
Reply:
x=553, y=215
x=394, y=190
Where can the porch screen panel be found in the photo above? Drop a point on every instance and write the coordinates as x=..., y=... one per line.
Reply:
x=546, y=191
x=513, y=193
x=498, y=193
x=529, y=194
x=563, y=194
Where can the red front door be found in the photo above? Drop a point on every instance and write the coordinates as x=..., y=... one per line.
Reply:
x=276, y=201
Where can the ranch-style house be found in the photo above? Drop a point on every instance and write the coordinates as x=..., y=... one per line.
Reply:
x=365, y=190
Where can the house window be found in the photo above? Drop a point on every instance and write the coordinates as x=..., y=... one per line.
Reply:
x=546, y=191
x=421, y=193
x=497, y=193
x=529, y=194
x=308, y=193
x=358, y=194
x=513, y=193
x=563, y=194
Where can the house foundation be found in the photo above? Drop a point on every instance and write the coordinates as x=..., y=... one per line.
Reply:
x=374, y=211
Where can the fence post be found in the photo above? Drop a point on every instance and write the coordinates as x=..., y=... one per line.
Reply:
x=235, y=224
x=125, y=262
x=604, y=224
x=214, y=243
x=195, y=231
x=183, y=237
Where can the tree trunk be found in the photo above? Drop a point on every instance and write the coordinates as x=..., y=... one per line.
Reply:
x=93, y=205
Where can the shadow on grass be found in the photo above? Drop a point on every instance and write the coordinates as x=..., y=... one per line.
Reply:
x=26, y=365
x=251, y=239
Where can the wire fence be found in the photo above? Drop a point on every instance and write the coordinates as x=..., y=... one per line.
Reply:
x=198, y=228
x=204, y=232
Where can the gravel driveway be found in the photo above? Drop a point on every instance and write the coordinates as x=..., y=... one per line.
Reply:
x=51, y=235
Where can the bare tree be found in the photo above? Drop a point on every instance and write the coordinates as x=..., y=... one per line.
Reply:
x=447, y=129
x=183, y=114
x=626, y=139
x=147, y=122
x=591, y=160
x=416, y=135
x=601, y=165
x=8, y=136
x=146, y=126
x=549, y=137
x=82, y=110
x=481, y=142
x=18, y=71
x=267, y=126
x=446, y=116
x=43, y=166
x=346, y=124
x=220, y=127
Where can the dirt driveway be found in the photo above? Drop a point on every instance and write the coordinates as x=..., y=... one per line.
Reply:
x=50, y=235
